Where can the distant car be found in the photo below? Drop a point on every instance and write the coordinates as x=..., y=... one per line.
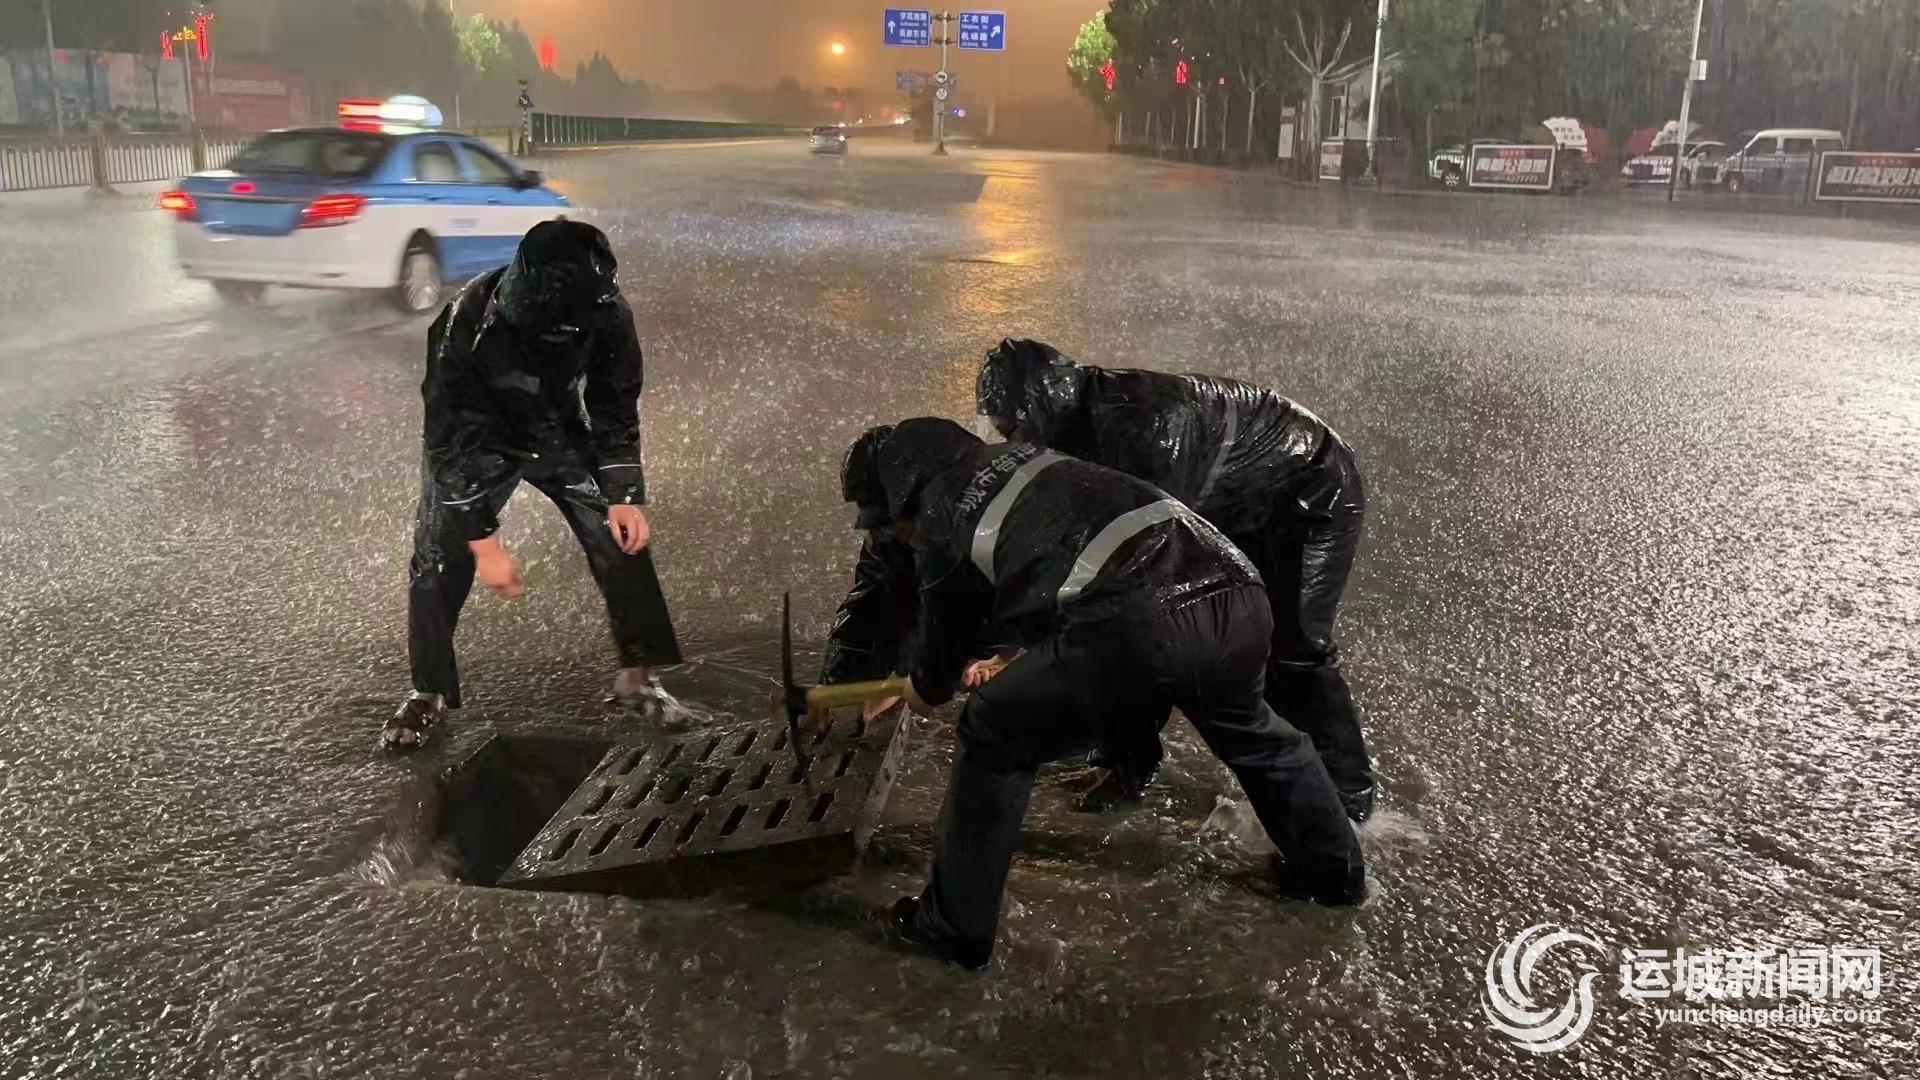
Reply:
x=1777, y=159
x=828, y=139
x=1656, y=165
x=1448, y=165
x=372, y=205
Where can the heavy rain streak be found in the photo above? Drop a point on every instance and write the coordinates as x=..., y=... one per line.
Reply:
x=1485, y=437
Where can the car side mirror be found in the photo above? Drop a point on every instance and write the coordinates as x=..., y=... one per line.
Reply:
x=529, y=179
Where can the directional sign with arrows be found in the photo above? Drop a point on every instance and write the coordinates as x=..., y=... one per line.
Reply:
x=983, y=30
x=907, y=27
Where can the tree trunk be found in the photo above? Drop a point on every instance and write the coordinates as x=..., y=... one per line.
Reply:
x=1313, y=127
x=1250, y=99
x=1226, y=120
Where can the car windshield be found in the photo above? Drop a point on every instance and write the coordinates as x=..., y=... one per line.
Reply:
x=826, y=129
x=337, y=155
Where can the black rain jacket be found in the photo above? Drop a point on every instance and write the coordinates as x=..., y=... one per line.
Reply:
x=1011, y=543
x=534, y=366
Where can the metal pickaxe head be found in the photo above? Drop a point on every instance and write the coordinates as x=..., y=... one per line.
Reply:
x=797, y=700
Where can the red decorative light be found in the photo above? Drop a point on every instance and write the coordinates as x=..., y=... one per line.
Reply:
x=549, y=56
x=1180, y=73
x=1107, y=72
x=242, y=187
x=202, y=38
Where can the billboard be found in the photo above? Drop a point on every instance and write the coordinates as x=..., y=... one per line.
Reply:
x=1866, y=176
x=1512, y=166
x=1331, y=153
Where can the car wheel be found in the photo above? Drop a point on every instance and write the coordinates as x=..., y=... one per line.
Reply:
x=420, y=286
x=1450, y=180
x=240, y=293
x=1736, y=184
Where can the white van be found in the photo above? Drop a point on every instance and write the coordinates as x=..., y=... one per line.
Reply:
x=1777, y=159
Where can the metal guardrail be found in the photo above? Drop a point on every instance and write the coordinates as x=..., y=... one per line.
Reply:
x=45, y=163
x=33, y=164
x=558, y=129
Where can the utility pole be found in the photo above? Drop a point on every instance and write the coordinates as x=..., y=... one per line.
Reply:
x=942, y=86
x=1373, y=99
x=53, y=76
x=1695, y=71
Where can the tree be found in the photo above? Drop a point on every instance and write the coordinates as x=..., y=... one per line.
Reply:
x=481, y=51
x=1317, y=43
x=1442, y=47
x=1093, y=48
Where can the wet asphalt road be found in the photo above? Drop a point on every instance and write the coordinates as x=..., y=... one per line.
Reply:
x=1637, y=627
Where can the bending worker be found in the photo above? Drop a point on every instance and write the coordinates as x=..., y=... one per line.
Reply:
x=534, y=374
x=1269, y=474
x=1126, y=605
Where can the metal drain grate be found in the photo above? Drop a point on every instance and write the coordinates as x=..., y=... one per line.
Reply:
x=681, y=815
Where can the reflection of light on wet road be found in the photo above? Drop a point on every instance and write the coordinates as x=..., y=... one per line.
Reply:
x=1631, y=629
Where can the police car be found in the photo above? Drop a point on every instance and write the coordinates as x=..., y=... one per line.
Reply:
x=384, y=201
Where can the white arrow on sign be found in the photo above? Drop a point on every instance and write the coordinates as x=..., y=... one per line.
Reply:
x=890, y=25
x=996, y=32
x=941, y=77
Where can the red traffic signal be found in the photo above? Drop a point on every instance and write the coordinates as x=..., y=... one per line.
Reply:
x=1106, y=72
x=1180, y=73
x=166, y=45
x=202, y=45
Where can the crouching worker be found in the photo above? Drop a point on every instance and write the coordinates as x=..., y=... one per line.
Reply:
x=1267, y=473
x=533, y=374
x=1126, y=605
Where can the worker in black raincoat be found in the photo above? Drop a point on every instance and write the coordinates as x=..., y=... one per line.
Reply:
x=870, y=628
x=1125, y=605
x=1265, y=471
x=534, y=374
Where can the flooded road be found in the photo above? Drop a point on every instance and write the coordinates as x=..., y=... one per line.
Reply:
x=1636, y=627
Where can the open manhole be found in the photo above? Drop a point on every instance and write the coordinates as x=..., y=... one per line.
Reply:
x=669, y=815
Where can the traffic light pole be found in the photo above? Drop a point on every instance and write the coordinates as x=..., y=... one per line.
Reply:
x=945, y=19
x=1686, y=104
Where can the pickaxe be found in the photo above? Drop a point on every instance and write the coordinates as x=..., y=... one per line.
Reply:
x=798, y=700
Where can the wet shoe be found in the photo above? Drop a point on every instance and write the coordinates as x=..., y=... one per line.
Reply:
x=408, y=728
x=1299, y=886
x=637, y=690
x=1117, y=790
x=1359, y=804
x=974, y=956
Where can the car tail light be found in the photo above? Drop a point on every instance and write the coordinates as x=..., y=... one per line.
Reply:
x=180, y=204
x=332, y=210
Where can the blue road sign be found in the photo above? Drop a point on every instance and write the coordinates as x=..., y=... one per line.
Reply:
x=907, y=27
x=983, y=30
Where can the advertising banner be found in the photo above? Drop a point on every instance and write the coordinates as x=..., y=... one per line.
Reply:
x=1518, y=167
x=1866, y=176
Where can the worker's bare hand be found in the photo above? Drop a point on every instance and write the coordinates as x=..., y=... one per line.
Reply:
x=980, y=671
x=496, y=569
x=882, y=707
x=629, y=527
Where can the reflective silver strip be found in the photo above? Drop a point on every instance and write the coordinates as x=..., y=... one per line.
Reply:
x=1226, y=447
x=987, y=533
x=1108, y=540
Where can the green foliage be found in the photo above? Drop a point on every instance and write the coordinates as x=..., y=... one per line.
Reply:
x=481, y=50
x=1093, y=46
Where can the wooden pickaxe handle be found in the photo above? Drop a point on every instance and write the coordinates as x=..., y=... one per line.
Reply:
x=835, y=695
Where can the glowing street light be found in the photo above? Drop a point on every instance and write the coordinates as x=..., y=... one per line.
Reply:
x=838, y=48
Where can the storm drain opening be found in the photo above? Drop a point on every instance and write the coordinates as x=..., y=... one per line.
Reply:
x=491, y=805
x=736, y=810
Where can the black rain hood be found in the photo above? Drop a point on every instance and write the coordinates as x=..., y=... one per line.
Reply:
x=562, y=278
x=860, y=477
x=917, y=451
x=1034, y=385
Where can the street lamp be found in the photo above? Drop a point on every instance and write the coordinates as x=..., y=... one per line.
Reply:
x=838, y=48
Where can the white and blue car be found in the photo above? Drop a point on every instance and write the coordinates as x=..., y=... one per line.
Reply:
x=385, y=201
